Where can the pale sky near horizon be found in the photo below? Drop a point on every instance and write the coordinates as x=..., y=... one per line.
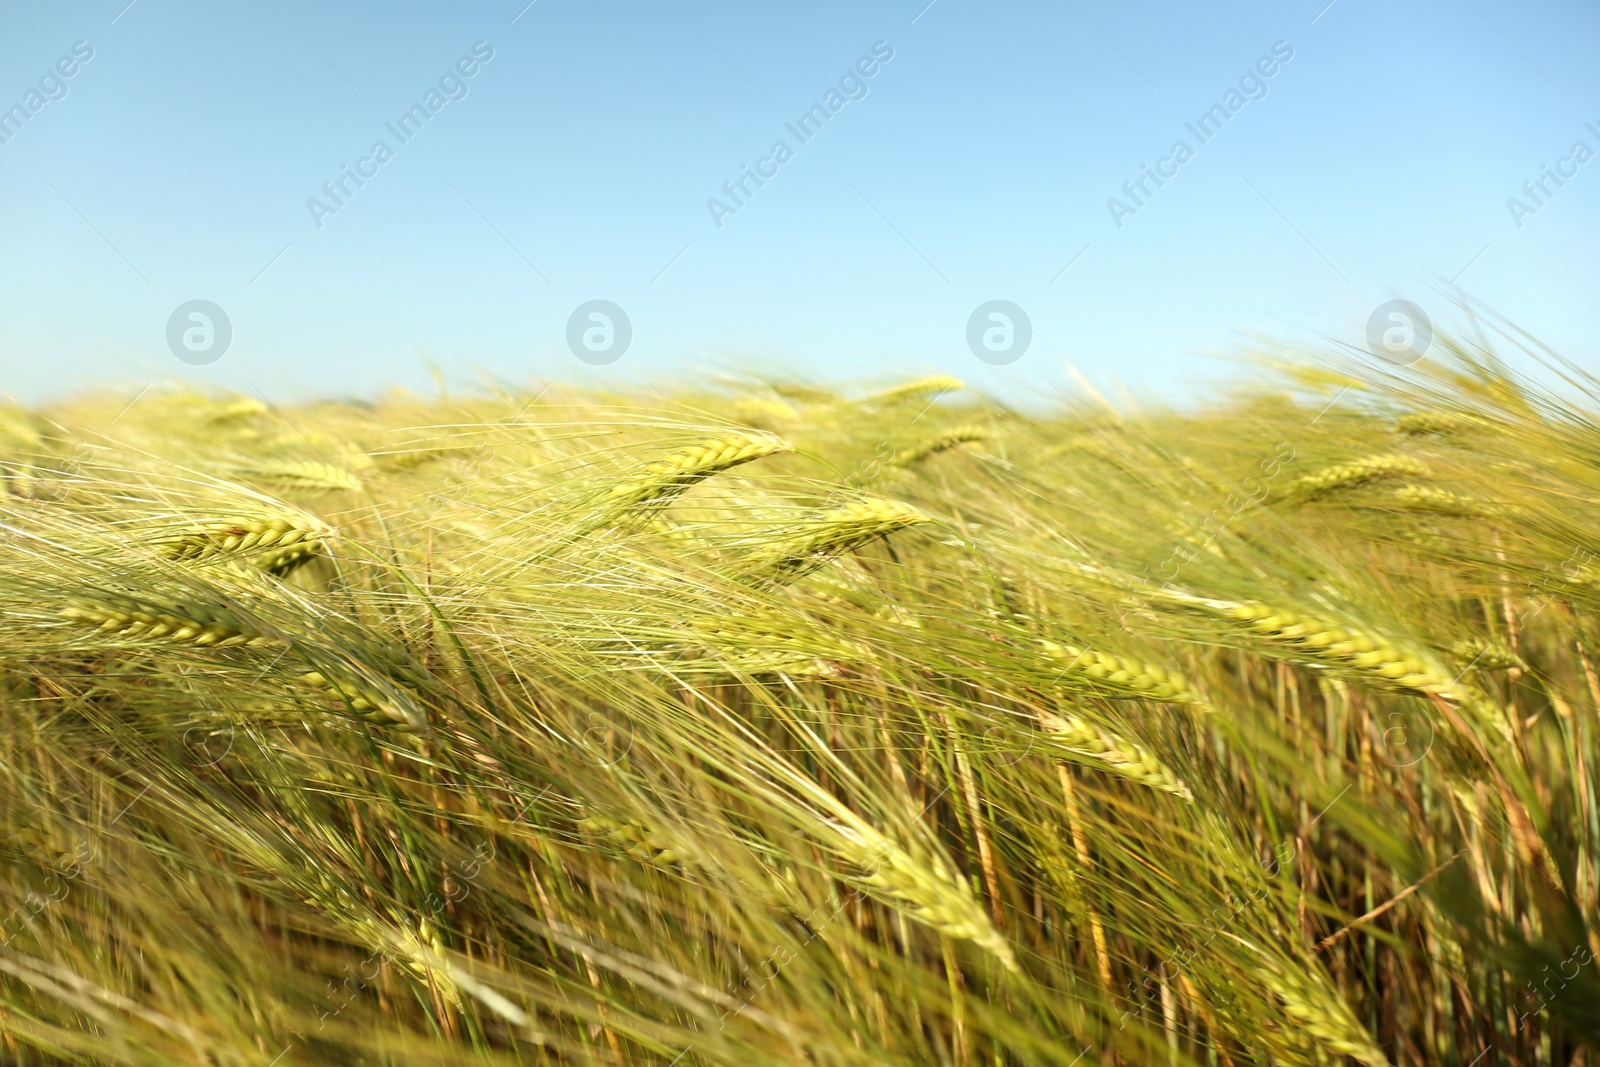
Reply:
x=968, y=153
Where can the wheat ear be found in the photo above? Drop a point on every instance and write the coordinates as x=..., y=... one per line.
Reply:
x=1109, y=675
x=1106, y=751
x=1325, y=1018
x=1444, y=502
x=405, y=459
x=633, y=838
x=365, y=701
x=277, y=545
x=830, y=535
x=1349, y=475
x=1351, y=652
x=184, y=624
x=1486, y=656
x=234, y=410
x=665, y=479
x=309, y=476
x=922, y=887
x=943, y=442
x=1439, y=423
x=935, y=386
x=756, y=646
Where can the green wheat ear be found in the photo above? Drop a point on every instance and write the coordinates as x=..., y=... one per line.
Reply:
x=828, y=536
x=1109, y=675
x=943, y=442
x=1439, y=424
x=364, y=700
x=935, y=386
x=639, y=500
x=1103, y=750
x=922, y=886
x=1486, y=656
x=277, y=545
x=127, y=618
x=666, y=479
x=1349, y=475
x=633, y=838
x=1310, y=1001
x=1445, y=502
x=308, y=476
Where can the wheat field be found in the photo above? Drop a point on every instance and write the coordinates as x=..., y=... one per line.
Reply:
x=759, y=722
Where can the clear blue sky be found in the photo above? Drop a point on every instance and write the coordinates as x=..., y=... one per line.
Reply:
x=578, y=165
